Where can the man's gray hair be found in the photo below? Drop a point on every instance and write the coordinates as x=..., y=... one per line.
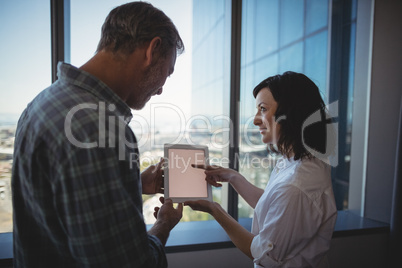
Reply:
x=134, y=24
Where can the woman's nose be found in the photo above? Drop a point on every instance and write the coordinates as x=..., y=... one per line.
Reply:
x=257, y=120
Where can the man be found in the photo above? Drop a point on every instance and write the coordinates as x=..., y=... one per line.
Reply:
x=76, y=183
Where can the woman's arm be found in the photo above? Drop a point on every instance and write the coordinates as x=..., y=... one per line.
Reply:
x=216, y=174
x=237, y=233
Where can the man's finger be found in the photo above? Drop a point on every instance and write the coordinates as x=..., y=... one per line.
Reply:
x=180, y=207
x=161, y=162
x=167, y=201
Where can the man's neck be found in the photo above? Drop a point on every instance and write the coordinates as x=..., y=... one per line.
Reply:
x=111, y=70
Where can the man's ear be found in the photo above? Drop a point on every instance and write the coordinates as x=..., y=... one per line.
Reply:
x=152, y=47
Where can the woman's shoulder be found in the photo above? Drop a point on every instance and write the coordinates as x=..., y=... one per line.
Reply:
x=305, y=175
x=312, y=168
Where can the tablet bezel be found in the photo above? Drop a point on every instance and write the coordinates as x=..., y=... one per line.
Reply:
x=166, y=172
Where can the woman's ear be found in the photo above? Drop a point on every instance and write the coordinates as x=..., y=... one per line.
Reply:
x=152, y=47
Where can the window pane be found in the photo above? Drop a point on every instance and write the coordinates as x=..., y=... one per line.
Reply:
x=25, y=70
x=266, y=38
x=267, y=66
x=297, y=51
x=291, y=21
x=185, y=112
x=248, y=24
x=291, y=58
x=86, y=26
x=315, y=63
x=316, y=15
x=254, y=162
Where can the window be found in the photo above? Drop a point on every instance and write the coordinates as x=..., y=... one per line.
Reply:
x=25, y=71
x=277, y=35
x=316, y=38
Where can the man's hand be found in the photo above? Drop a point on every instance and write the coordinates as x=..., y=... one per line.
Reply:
x=152, y=179
x=166, y=218
x=167, y=213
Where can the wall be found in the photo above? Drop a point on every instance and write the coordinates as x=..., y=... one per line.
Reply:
x=219, y=258
x=368, y=251
x=386, y=85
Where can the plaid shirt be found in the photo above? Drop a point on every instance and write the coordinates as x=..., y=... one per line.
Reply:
x=76, y=181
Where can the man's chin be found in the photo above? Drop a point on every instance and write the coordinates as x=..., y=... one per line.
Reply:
x=139, y=105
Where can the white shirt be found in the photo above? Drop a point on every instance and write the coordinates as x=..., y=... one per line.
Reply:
x=295, y=217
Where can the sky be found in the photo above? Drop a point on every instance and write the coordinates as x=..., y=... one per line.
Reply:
x=25, y=51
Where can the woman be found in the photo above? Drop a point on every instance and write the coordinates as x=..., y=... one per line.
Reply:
x=295, y=215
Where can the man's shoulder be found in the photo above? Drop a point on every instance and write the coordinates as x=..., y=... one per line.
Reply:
x=56, y=106
x=60, y=97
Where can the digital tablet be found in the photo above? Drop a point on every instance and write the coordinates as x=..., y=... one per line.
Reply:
x=182, y=181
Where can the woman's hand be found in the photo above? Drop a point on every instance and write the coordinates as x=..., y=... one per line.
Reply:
x=215, y=174
x=201, y=205
x=152, y=179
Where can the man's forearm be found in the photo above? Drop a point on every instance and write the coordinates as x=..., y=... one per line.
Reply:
x=161, y=231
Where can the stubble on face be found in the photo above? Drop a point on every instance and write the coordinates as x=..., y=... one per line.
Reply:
x=153, y=80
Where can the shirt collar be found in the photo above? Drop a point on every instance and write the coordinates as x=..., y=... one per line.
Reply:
x=68, y=73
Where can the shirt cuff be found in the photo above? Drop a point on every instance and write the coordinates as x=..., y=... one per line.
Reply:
x=259, y=250
x=158, y=251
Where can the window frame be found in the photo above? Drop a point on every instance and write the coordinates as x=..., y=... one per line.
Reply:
x=361, y=107
x=60, y=33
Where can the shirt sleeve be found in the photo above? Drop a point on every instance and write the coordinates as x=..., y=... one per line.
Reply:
x=290, y=220
x=98, y=198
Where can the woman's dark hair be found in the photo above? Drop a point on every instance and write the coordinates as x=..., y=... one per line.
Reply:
x=301, y=115
x=134, y=24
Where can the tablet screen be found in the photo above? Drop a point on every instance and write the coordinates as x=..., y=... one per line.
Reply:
x=184, y=180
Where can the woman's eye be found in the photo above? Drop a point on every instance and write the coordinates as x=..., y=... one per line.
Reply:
x=262, y=109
